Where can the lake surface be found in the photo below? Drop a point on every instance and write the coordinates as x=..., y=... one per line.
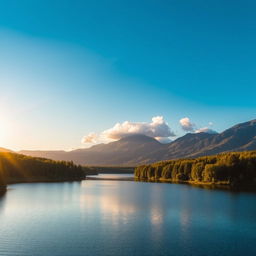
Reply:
x=112, y=176
x=99, y=217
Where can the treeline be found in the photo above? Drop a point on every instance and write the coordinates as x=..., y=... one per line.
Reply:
x=2, y=182
x=227, y=168
x=21, y=168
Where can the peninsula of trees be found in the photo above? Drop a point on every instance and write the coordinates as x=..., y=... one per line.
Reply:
x=223, y=169
x=16, y=168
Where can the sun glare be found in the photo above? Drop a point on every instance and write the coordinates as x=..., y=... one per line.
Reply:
x=3, y=132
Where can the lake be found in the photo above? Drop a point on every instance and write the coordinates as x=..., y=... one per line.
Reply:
x=101, y=217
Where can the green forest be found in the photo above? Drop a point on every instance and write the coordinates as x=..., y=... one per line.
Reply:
x=20, y=168
x=234, y=168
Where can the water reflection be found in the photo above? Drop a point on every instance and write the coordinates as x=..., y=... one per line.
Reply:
x=124, y=218
x=106, y=204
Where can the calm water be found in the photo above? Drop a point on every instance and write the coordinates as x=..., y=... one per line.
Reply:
x=99, y=217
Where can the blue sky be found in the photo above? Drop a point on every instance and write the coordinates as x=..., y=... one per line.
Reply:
x=68, y=68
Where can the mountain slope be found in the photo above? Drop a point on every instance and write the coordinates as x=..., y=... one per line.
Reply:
x=5, y=150
x=188, y=145
x=140, y=149
x=240, y=137
x=128, y=151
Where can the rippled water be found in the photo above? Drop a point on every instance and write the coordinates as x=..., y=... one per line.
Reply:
x=99, y=217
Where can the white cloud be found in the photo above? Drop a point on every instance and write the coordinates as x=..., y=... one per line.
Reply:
x=90, y=138
x=205, y=130
x=158, y=129
x=187, y=125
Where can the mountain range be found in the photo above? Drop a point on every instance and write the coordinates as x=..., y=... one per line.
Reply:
x=139, y=149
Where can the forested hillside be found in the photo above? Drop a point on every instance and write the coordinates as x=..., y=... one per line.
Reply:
x=2, y=182
x=21, y=168
x=227, y=168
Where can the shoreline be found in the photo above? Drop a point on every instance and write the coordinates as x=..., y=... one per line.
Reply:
x=191, y=182
x=42, y=180
x=3, y=189
x=206, y=185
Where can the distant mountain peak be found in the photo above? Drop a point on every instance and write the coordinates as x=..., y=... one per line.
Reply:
x=248, y=123
x=138, y=149
x=138, y=138
x=199, y=135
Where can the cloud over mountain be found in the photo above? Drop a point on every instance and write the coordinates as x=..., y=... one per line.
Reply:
x=206, y=130
x=158, y=128
x=188, y=126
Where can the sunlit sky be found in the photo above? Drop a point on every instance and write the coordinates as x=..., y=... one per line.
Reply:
x=69, y=68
